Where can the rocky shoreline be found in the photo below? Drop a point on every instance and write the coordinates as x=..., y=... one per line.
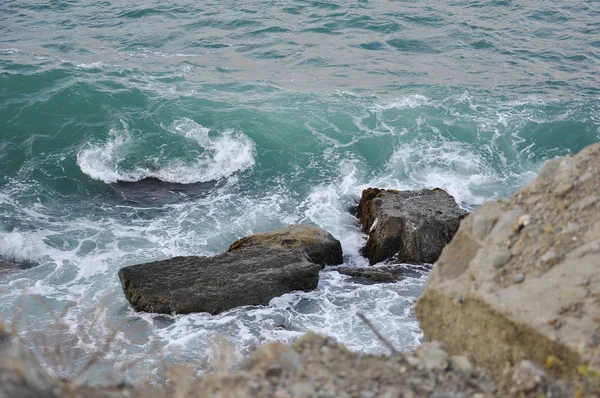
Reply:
x=511, y=308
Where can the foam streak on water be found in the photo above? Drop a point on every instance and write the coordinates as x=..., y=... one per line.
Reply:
x=257, y=115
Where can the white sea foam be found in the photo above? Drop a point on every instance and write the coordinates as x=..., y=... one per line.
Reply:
x=84, y=65
x=491, y=163
x=330, y=309
x=17, y=246
x=328, y=206
x=11, y=51
x=91, y=65
x=407, y=102
x=449, y=165
x=224, y=155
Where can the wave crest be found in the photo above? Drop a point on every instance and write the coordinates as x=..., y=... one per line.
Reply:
x=221, y=156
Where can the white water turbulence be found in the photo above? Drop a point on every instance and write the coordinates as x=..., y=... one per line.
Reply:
x=132, y=132
x=79, y=257
x=217, y=156
x=408, y=142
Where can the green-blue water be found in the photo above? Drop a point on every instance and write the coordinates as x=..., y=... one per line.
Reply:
x=292, y=107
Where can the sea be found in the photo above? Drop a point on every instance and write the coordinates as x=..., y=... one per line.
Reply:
x=133, y=131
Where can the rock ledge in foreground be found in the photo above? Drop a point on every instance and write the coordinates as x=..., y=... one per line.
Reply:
x=521, y=278
x=412, y=225
x=313, y=366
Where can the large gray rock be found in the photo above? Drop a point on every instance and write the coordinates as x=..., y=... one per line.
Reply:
x=319, y=245
x=521, y=278
x=251, y=276
x=412, y=225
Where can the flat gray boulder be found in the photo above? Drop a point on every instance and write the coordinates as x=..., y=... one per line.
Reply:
x=413, y=226
x=249, y=276
x=319, y=245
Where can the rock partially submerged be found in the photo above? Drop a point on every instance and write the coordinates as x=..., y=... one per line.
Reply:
x=372, y=275
x=414, y=226
x=7, y=265
x=151, y=191
x=255, y=269
x=252, y=276
x=521, y=278
x=319, y=245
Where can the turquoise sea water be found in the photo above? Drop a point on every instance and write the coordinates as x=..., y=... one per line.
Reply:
x=267, y=113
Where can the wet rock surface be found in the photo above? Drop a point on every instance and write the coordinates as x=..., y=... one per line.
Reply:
x=520, y=280
x=372, y=275
x=319, y=245
x=154, y=192
x=411, y=226
x=251, y=276
x=7, y=265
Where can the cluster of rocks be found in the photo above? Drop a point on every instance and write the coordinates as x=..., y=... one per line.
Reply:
x=408, y=226
x=511, y=306
x=516, y=289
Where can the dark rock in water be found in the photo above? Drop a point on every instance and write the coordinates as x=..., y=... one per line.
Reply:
x=154, y=192
x=372, y=275
x=414, y=226
x=6, y=265
x=254, y=270
x=319, y=245
x=252, y=276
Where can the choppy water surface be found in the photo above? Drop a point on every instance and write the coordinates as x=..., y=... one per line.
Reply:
x=292, y=107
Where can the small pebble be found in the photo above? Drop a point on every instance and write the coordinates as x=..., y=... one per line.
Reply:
x=563, y=188
x=518, y=278
x=524, y=220
x=462, y=365
x=549, y=258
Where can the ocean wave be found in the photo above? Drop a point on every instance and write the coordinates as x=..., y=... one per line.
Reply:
x=406, y=102
x=11, y=51
x=222, y=156
x=85, y=66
